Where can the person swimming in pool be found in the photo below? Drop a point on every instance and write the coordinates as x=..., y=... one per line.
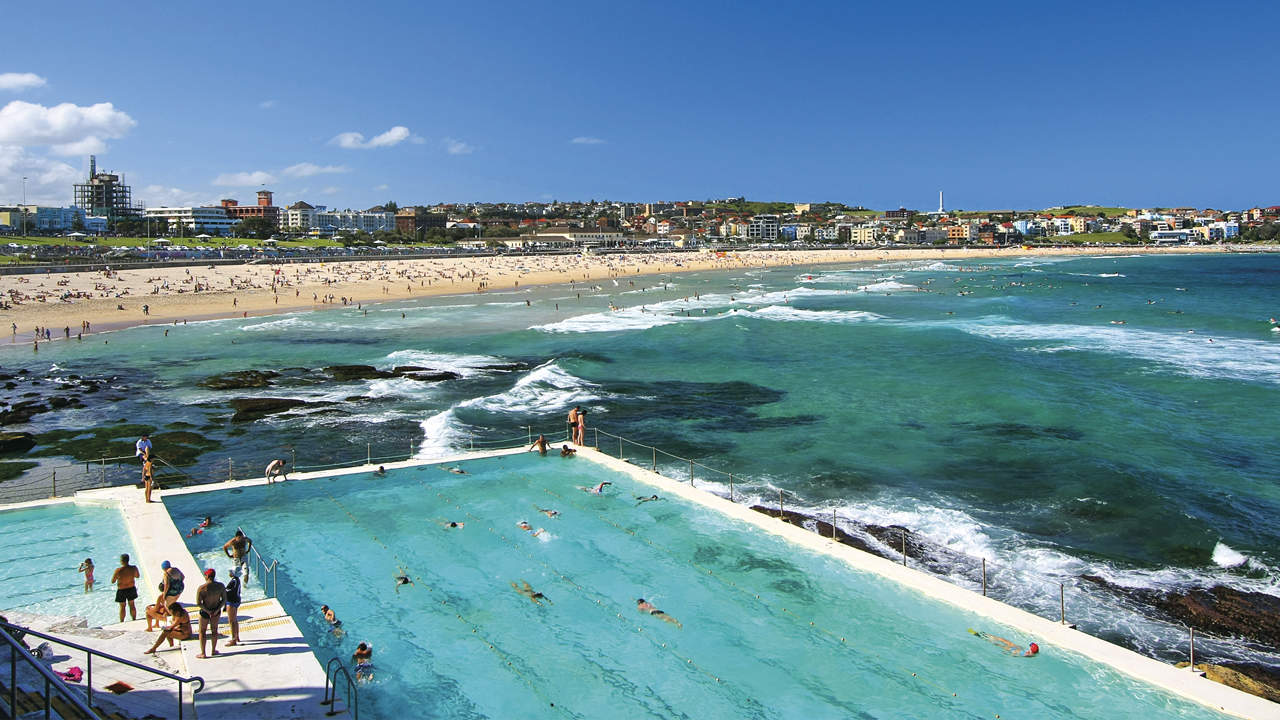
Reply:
x=645, y=606
x=540, y=445
x=567, y=451
x=199, y=529
x=549, y=512
x=402, y=578
x=597, y=490
x=640, y=499
x=534, y=596
x=1032, y=650
x=456, y=470
x=362, y=660
x=452, y=524
x=380, y=472
x=525, y=526
x=334, y=623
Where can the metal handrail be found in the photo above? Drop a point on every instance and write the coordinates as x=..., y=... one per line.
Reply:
x=264, y=569
x=89, y=652
x=331, y=670
x=51, y=681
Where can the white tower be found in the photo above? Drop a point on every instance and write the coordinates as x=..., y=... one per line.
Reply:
x=941, y=207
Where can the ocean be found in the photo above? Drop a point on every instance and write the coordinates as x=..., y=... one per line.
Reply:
x=1061, y=417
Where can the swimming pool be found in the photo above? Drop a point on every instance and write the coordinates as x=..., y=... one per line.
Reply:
x=769, y=630
x=43, y=546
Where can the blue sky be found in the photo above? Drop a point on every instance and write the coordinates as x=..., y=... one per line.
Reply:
x=350, y=104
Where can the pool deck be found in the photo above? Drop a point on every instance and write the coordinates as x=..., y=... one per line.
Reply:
x=274, y=674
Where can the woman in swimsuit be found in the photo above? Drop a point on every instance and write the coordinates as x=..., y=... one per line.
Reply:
x=180, y=629
x=647, y=607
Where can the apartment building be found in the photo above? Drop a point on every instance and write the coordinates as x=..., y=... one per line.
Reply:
x=764, y=228
x=191, y=220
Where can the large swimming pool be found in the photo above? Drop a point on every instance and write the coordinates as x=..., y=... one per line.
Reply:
x=769, y=630
x=41, y=549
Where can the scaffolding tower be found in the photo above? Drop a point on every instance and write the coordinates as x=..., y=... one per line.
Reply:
x=105, y=195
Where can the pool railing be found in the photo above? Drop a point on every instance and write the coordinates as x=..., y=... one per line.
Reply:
x=10, y=632
x=123, y=470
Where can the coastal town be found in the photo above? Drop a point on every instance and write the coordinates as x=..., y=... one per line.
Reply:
x=103, y=211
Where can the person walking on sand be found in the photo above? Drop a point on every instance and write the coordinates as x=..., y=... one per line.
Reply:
x=233, y=606
x=210, y=598
x=125, y=578
x=86, y=567
x=237, y=548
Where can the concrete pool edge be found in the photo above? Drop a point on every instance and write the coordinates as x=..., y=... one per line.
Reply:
x=1182, y=683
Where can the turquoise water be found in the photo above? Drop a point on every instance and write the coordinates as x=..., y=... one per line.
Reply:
x=746, y=602
x=989, y=406
x=44, y=549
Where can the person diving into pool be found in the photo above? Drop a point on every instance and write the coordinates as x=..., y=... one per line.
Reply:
x=1032, y=650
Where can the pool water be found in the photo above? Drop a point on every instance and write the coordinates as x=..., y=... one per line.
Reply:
x=769, y=630
x=41, y=549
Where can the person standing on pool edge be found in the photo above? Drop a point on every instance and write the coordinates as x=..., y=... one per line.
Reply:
x=125, y=579
x=573, y=422
x=241, y=545
x=211, y=597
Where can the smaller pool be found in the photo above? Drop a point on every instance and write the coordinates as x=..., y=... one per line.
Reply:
x=41, y=549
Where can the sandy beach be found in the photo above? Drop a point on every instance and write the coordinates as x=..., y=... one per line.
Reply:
x=63, y=302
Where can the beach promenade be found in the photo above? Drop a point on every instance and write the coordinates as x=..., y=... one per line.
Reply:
x=111, y=300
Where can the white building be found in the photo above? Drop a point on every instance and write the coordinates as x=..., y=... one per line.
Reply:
x=338, y=220
x=300, y=217
x=578, y=236
x=181, y=220
x=764, y=228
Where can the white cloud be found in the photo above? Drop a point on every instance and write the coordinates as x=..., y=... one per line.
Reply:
x=331, y=190
x=48, y=181
x=162, y=196
x=356, y=141
x=457, y=147
x=383, y=186
x=307, y=169
x=67, y=129
x=586, y=140
x=267, y=104
x=20, y=81
x=244, y=179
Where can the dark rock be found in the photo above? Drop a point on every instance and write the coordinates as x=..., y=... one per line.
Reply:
x=254, y=408
x=58, y=402
x=402, y=369
x=10, y=385
x=345, y=373
x=239, y=379
x=432, y=376
x=1220, y=610
x=16, y=442
x=6, y=376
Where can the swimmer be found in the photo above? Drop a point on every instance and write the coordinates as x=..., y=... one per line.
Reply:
x=452, y=525
x=275, y=469
x=199, y=529
x=525, y=526
x=567, y=451
x=1032, y=650
x=540, y=445
x=380, y=472
x=456, y=470
x=597, y=490
x=640, y=499
x=402, y=579
x=362, y=660
x=645, y=606
x=333, y=621
x=534, y=596
x=549, y=512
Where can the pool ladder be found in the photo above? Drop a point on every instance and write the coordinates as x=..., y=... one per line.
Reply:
x=331, y=672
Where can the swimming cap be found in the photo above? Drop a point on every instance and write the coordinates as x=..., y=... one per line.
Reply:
x=209, y=572
x=165, y=565
x=1034, y=648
